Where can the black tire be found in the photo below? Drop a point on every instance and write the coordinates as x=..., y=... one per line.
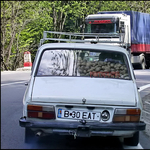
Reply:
x=29, y=135
x=147, y=65
x=132, y=141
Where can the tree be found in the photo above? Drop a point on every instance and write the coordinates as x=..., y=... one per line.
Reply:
x=23, y=23
x=141, y=6
x=15, y=16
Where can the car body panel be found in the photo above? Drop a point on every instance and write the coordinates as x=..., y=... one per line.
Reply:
x=74, y=89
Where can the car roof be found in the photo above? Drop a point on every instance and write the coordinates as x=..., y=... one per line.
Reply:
x=83, y=46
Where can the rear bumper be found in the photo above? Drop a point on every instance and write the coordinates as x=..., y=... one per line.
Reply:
x=91, y=125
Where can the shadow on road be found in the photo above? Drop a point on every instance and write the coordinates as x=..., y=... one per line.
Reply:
x=68, y=142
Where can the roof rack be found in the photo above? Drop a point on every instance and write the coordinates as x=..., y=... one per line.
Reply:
x=81, y=37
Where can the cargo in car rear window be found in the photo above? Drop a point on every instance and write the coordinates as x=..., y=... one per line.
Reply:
x=83, y=63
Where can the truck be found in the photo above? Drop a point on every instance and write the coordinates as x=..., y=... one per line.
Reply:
x=135, y=27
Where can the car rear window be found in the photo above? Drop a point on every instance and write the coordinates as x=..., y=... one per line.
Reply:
x=83, y=63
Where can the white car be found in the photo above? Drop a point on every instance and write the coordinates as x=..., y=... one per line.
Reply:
x=82, y=90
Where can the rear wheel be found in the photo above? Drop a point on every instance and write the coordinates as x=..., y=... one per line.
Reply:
x=147, y=65
x=132, y=141
x=29, y=135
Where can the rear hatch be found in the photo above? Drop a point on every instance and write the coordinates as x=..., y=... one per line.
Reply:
x=71, y=90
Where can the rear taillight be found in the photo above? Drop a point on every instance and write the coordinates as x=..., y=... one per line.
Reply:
x=42, y=112
x=127, y=115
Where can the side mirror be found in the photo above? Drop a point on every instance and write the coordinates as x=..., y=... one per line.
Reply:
x=121, y=30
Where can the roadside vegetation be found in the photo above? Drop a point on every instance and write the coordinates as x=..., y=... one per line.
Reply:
x=23, y=23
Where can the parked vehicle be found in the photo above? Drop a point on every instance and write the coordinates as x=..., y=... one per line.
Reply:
x=134, y=25
x=82, y=90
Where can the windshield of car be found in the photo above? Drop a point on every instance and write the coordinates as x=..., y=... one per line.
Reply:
x=83, y=63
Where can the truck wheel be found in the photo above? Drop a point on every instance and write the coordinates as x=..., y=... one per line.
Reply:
x=132, y=141
x=29, y=135
x=147, y=65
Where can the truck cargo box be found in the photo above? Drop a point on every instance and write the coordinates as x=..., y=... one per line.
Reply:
x=140, y=29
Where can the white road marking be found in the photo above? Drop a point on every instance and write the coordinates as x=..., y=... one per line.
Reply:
x=13, y=83
x=144, y=87
x=133, y=147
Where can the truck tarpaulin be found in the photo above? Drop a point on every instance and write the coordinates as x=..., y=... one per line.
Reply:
x=140, y=29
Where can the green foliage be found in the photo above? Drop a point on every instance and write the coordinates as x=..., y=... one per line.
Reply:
x=23, y=22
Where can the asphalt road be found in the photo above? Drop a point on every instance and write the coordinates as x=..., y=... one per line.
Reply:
x=12, y=135
x=143, y=78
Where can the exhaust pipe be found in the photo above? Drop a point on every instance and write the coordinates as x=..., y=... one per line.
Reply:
x=39, y=133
